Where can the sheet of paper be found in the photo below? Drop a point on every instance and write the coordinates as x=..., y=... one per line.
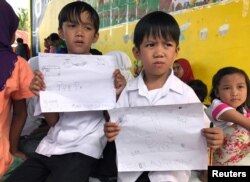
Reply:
x=161, y=138
x=77, y=82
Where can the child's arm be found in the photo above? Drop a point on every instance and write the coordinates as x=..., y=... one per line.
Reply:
x=36, y=85
x=111, y=130
x=51, y=118
x=235, y=117
x=120, y=82
x=18, y=120
x=214, y=137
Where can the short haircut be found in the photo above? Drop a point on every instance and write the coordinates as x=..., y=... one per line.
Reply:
x=54, y=36
x=199, y=88
x=72, y=13
x=19, y=40
x=157, y=24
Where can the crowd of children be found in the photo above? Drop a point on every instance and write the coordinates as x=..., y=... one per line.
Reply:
x=156, y=46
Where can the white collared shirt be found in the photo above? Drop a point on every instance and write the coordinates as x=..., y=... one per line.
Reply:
x=174, y=91
x=75, y=132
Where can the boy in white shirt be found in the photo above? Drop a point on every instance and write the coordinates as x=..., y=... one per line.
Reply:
x=75, y=140
x=156, y=40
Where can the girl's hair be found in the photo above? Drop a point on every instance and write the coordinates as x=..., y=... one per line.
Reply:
x=228, y=71
x=72, y=12
x=157, y=24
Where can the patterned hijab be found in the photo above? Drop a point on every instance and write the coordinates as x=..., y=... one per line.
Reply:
x=188, y=73
x=8, y=23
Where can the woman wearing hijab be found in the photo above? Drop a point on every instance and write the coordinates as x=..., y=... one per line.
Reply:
x=182, y=69
x=15, y=76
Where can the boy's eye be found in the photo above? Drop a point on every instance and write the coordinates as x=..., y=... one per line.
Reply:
x=88, y=27
x=149, y=44
x=71, y=25
x=168, y=44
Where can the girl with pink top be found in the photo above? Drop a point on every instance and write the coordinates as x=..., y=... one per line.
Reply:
x=230, y=96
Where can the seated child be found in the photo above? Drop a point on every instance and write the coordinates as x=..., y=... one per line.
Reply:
x=156, y=40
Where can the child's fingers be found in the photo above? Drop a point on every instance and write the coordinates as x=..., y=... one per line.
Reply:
x=111, y=136
x=35, y=87
x=111, y=130
x=111, y=127
x=215, y=133
x=214, y=137
x=37, y=83
x=38, y=76
x=119, y=79
x=119, y=82
x=110, y=124
x=214, y=144
x=35, y=92
x=116, y=72
x=38, y=73
x=212, y=130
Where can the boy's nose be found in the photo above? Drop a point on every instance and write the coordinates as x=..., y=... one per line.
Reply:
x=80, y=32
x=160, y=52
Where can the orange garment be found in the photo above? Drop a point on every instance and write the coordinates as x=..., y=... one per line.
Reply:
x=17, y=87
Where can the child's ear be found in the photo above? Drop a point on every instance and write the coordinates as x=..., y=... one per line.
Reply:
x=216, y=93
x=136, y=53
x=96, y=37
x=177, y=50
x=60, y=33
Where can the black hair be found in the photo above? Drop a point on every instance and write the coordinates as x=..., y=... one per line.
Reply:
x=157, y=24
x=19, y=40
x=200, y=88
x=95, y=51
x=54, y=36
x=228, y=71
x=72, y=12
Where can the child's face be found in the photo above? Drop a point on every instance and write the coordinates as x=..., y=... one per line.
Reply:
x=79, y=36
x=178, y=70
x=232, y=90
x=46, y=43
x=157, y=55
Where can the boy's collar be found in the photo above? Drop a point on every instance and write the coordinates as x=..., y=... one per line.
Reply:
x=172, y=83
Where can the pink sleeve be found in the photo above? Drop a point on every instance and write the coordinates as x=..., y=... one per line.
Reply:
x=219, y=108
x=248, y=113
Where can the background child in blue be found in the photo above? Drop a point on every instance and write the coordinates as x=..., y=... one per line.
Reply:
x=76, y=140
x=156, y=40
